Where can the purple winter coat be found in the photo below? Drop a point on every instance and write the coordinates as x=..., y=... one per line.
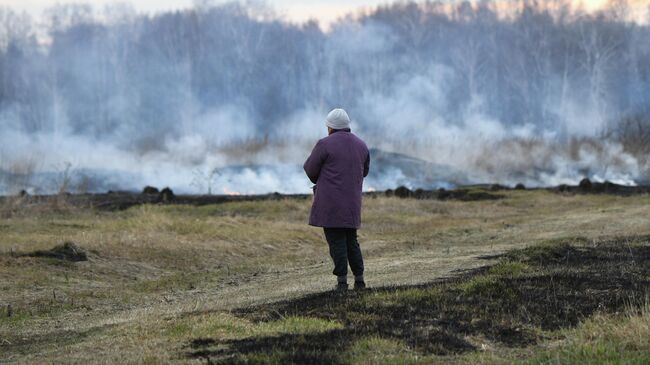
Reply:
x=337, y=166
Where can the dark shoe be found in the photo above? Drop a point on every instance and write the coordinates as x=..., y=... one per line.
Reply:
x=342, y=286
x=359, y=285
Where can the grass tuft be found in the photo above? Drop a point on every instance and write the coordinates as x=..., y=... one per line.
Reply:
x=603, y=339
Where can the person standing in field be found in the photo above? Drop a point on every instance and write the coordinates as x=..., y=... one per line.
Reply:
x=337, y=165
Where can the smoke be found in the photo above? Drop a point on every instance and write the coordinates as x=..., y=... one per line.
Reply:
x=413, y=119
x=217, y=99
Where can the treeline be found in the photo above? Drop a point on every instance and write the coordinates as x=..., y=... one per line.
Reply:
x=138, y=79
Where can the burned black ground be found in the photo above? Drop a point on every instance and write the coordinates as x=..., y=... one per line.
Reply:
x=515, y=303
x=122, y=200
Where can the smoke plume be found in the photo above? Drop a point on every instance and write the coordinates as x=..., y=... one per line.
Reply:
x=231, y=98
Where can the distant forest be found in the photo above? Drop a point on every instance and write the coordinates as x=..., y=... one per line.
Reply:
x=237, y=71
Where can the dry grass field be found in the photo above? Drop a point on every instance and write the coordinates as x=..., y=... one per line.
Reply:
x=536, y=277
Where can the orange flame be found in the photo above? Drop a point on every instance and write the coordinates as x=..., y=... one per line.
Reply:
x=230, y=192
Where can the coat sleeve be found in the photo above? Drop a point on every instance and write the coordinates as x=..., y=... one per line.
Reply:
x=366, y=165
x=315, y=161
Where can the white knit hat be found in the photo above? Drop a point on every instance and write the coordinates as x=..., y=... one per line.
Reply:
x=338, y=119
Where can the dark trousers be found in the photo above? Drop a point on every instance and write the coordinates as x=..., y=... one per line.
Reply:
x=344, y=249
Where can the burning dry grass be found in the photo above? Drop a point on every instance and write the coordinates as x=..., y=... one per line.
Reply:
x=531, y=160
x=158, y=277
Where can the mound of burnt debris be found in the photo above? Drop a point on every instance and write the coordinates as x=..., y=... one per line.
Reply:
x=463, y=194
x=68, y=251
x=586, y=186
x=120, y=200
x=150, y=190
x=487, y=191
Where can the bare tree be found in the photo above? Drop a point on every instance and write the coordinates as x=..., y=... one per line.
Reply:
x=633, y=132
x=599, y=49
x=204, y=179
x=18, y=175
x=63, y=180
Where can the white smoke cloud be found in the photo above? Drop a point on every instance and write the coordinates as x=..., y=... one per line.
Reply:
x=417, y=116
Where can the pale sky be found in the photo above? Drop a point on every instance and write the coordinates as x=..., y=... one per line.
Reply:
x=325, y=11
x=297, y=10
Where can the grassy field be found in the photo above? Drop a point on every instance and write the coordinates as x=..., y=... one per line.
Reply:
x=535, y=278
